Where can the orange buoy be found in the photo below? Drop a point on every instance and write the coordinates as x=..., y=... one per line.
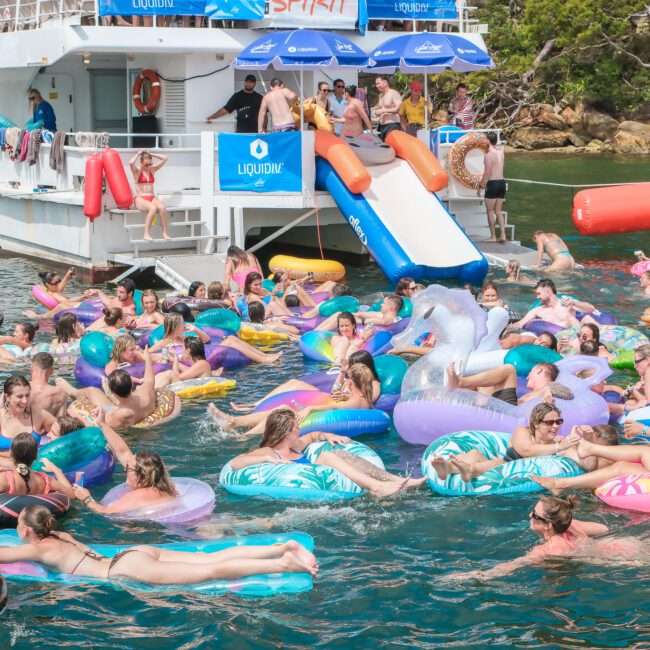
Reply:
x=345, y=162
x=116, y=177
x=421, y=160
x=610, y=210
x=154, y=95
x=93, y=187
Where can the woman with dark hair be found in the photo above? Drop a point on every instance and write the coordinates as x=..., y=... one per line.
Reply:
x=588, y=333
x=112, y=323
x=257, y=316
x=197, y=290
x=406, y=287
x=239, y=264
x=54, y=286
x=346, y=340
x=354, y=117
x=254, y=291
x=16, y=346
x=145, y=472
x=68, y=330
x=23, y=480
x=62, y=553
x=340, y=388
x=194, y=355
x=282, y=443
x=17, y=413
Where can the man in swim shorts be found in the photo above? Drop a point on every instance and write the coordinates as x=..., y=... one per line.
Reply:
x=494, y=185
x=387, y=108
x=553, y=310
x=43, y=394
x=278, y=102
x=501, y=383
x=123, y=296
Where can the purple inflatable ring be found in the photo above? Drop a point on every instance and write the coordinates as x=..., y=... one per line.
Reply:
x=96, y=471
x=195, y=500
x=88, y=375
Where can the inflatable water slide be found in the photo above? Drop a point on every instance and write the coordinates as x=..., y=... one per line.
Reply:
x=393, y=209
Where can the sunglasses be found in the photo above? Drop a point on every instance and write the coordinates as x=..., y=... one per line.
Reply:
x=536, y=517
x=339, y=86
x=550, y=423
x=638, y=361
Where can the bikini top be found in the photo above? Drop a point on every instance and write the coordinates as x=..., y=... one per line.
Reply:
x=145, y=179
x=11, y=479
x=89, y=553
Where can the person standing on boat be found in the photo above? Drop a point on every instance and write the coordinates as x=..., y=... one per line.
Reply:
x=278, y=102
x=42, y=111
x=246, y=104
x=387, y=109
x=412, y=111
x=494, y=185
x=460, y=112
x=338, y=104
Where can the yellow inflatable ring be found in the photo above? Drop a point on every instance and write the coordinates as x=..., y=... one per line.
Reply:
x=193, y=388
x=458, y=153
x=298, y=267
x=312, y=113
x=255, y=332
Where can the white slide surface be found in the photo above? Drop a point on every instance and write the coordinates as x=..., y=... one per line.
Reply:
x=416, y=218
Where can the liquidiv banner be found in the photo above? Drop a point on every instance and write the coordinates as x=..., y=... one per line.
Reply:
x=412, y=10
x=331, y=14
x=260, y=163
x=235, y=9
x=151, y=7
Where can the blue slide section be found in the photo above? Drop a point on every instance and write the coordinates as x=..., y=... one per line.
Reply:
x=385, y=245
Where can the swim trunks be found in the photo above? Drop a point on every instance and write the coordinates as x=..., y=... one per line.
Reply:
x=384, y=129
x=507, y=395
x=283, y=128
x=495, y=189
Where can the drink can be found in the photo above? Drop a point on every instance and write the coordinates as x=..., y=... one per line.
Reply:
x=79, y=478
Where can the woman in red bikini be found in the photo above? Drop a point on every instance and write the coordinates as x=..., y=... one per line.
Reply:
x=145, y=199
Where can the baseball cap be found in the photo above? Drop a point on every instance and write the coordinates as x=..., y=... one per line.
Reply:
x=250, y=77
x=416, y=85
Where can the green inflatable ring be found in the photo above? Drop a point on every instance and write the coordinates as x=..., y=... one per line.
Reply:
x=73, y=448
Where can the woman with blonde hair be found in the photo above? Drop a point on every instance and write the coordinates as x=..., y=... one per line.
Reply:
x=145, y=199
x=152, y=315
x=175, y=330
x=361, y=397
x=125, y=351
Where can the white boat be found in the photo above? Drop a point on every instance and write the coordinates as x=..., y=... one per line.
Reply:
x=86, y=71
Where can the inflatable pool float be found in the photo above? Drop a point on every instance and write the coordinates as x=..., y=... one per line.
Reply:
x=616, y=338
x=63, y=353
x=623, y=360
x=295, y=399
x=260, y=585
x=538, y=326
x=303, y=324
x=298, y=267
x=347, y=422
x=168, y=407
x=312, y=113
x=601, y=317
x=370, y=149
x=459, y=152
x=340, y=303
x=262, y=333
x=640, y=267
x=72, y=449
x=298, y=480
x=88, y=374
x=509, y=478
x=219, y=318
x=627, y=492
x=192, y=388
x=11, y=505
x=195, y=500
x=641, y=415
x=96, y=471
x=195, y=304
x=316, y=345
x=43, y=296
x=85, y=315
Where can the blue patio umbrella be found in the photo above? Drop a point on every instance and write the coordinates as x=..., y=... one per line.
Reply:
x=428, y=54
x=301, y=49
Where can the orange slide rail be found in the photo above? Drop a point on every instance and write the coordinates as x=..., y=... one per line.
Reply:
x=610, y=210
x=422, y=161
x=345, y=162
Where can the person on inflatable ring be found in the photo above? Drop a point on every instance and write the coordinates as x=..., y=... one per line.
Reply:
x=255, y=292
x=553, y=310
x=44, y=395
x=148, y=564
x=68, y=331
x=589, y=332
x=113, y=322
x=540, y=438
x=282, y=443
x=552, y=519
x=257, y=315
x=55, y=286
x=388, y=315
x=336, y=290
x=22, y=338
x=126, y=405
x=614, y=460
x=361, y=394
x=146, y=475
x=151, y=315
x=123, y=297
x=340, y=389
x=20, y=479
x=216, y=291
x=194, y=355
x=638, y=395
x=501, y=383
x=545, y=339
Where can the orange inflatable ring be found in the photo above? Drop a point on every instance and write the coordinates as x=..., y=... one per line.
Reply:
x=154, y=97
x=458, y=153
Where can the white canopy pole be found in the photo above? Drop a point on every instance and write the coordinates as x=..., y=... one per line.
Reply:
x=302, y=106
x=426, y=100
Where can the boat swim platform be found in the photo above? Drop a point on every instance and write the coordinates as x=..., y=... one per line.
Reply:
x=498, y=254
x=178, y=270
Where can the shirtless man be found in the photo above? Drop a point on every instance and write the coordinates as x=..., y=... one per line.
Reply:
x=45, y=396
x=123, y=296
x=556, y=249
x=387, y=109
x=553, y=310
x=126, y=406
x=495, y=187
x=277, y=102
x=390, y=307
x=501, y=383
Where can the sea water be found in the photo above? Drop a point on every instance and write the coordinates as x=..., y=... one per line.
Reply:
x=381, y=562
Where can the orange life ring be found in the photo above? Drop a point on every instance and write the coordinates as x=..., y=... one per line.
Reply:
x=458, y=153
x=154, y=97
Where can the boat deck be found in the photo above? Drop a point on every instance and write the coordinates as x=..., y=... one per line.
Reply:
x=500, y=254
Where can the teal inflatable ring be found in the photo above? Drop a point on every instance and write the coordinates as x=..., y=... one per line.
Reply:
x=341, y=303
x=73, y=449
x=525, y=357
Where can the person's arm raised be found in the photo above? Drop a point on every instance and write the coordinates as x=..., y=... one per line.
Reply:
x=117, y=444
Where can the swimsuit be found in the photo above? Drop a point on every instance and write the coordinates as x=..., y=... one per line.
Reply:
x=240, y=276
x=507, y=395
x=281, y=128
x=146, y=180
x=301, y=460
x=511, y=455
x=495, y=189
x=11, y=479
x=95, y=556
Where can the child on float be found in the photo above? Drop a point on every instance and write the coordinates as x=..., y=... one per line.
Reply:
x=283, y=444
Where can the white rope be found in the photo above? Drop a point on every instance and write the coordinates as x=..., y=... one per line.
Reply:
x=523, y=180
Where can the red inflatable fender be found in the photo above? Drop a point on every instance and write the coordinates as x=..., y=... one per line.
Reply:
x=117, y=180
x=610, y=210
x=93, y=187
